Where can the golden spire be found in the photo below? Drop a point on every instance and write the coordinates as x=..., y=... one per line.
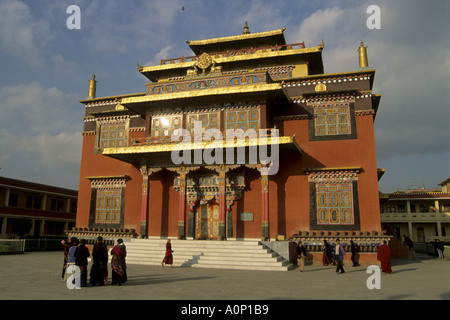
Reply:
x=246, y=29
x=92, y=87
x=363, y=61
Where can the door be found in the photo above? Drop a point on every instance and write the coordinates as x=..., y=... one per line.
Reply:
x=420, y=235
x=207, y=221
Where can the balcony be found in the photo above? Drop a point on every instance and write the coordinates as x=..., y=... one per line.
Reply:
x=415, y=217
x=300, y=45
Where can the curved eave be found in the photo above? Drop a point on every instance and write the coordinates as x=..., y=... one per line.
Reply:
x=241, y=37
x=257, y=88
x=155, y=152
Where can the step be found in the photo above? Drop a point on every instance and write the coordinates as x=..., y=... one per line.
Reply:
x=244, y=255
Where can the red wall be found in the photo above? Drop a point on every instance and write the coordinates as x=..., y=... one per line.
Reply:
x=288, y=189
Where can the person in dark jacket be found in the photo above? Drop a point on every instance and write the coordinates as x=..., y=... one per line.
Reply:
x=99, y=268
x=82, y=253
x=354, y=249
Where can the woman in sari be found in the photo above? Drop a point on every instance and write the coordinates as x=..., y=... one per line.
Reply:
x=168, y=257
x=99, y=268
x=118, y=264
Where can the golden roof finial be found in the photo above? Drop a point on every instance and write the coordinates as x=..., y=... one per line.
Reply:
x=92, y=87
x=246, y=29
x=363, y=60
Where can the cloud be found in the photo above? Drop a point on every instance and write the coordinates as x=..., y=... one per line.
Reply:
x=20, y=33
x=39, y=136
x=411, y=77
x=112, y=26
x=31, y=108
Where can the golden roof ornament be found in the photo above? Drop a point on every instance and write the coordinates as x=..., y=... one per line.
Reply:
x=92, y=87
x=246, y=29
x=363, y=60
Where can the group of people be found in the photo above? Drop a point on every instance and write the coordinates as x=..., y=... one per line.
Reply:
x=335, y=255
x=76, y=253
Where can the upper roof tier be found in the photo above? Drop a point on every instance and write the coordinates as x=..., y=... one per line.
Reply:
x=240, y=52
x=244, y=41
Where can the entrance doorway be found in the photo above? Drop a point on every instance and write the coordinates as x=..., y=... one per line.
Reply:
x=207, y=221
x=420, y=235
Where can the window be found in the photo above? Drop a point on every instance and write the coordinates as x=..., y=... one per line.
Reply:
x=334, y=204
x=390, y=208
x=401, y=208
x=424, y=208
x=333, y=199
x=209, y=120
x=108, y=206
x=113, y=135
x=107, y=202
x=33, y=202
x=242, y=119
x=57, y=205
x=164, y=125
x=331, y=120
x=13, y=199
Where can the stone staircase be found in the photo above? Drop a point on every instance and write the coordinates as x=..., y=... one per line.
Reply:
x=243, y=255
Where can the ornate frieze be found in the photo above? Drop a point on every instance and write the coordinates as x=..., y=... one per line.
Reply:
x=201, y=83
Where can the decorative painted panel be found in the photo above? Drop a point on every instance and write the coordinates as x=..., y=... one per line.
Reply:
x=221, y=81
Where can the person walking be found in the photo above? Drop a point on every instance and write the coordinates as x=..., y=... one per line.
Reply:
x=118, y=263
x=355, y=250
x=168, y=257
x=301, y=256
x=99, y=268
x=327, y=257
x=384, y=256
x=439, y=249
x=82, y=253
x=339, y=254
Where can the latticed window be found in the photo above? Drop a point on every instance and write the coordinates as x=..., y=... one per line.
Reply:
x=209, y=120
x=334, y=203
x=113, y=135
x=163, y=126
x=332, y=119
x=108, y=206
x=107, y=201
x=242, y=119
x=334, y=199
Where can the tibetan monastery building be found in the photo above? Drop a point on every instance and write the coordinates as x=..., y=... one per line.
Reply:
x=160, y=163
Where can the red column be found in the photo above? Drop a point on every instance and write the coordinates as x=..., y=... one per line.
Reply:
x=182, y=207
x=144, y=201
x=222, y=203
x=265, y=206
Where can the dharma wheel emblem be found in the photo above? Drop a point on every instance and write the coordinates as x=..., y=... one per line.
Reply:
x=204, y=61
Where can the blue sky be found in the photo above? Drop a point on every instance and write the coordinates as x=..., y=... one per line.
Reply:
x=45, y=70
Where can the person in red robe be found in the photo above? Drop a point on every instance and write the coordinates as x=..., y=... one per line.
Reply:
x=384, y=256
x=168, y=257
